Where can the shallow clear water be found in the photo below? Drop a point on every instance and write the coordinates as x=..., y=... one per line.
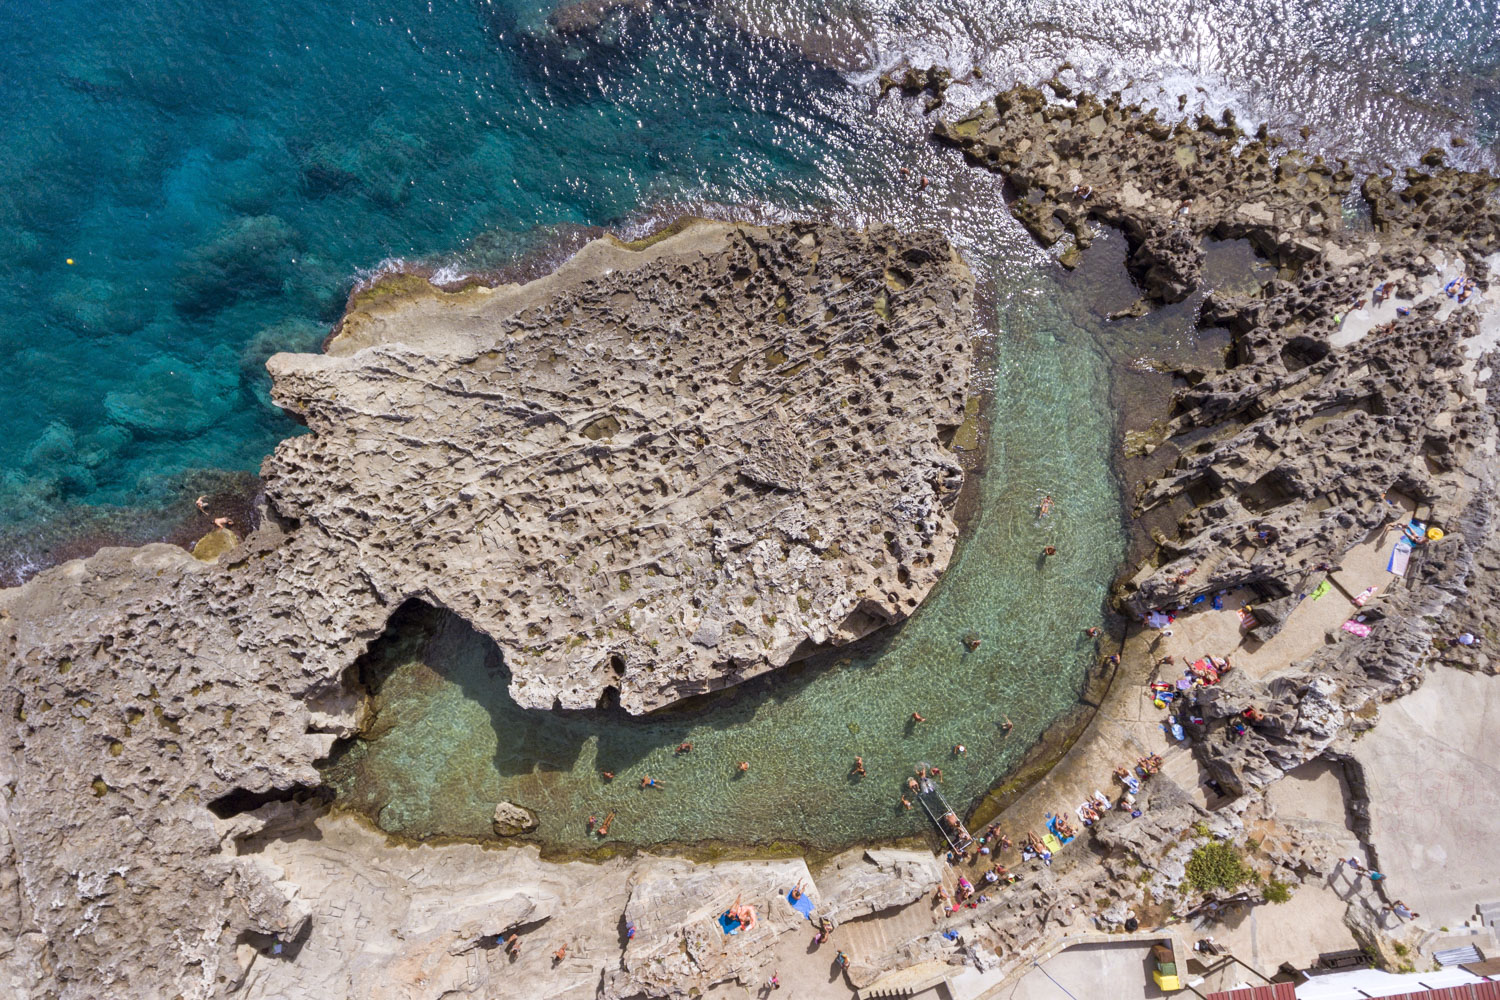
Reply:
x=218, y=174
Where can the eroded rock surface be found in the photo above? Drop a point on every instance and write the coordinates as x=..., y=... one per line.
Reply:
x=658, y=471
x=659, y=484
x=1280, y=462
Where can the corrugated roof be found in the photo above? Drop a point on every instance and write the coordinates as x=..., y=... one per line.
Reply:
x=1276, y=991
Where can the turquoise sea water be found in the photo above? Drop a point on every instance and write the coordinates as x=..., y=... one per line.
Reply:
x=190, y=187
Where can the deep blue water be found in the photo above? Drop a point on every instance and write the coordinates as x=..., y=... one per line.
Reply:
x=219, y=173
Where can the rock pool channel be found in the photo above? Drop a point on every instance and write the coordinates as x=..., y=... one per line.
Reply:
x=448, y=742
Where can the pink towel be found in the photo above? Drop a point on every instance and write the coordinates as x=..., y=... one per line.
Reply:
x=1356, y=628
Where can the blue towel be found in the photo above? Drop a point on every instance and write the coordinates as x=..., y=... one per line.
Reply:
x=1218, y=602
x=802, y=904
x=728, y=924
x=1200, y=598
x=1052, y=826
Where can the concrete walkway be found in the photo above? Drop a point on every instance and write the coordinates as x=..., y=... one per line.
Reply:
x=1433, y=769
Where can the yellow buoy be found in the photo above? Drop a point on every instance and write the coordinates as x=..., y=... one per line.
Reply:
x=70, y=261
x=1433, y=534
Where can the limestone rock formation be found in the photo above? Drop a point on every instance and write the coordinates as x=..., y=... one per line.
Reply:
x=658, y=484
x=680, y=945
x=857, y=885
x=1166, y=185
x=658, y=471
x=1386, y=400
x=511, y=819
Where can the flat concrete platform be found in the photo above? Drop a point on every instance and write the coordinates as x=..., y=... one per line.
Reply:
x=1120, y=971
x=1432, y=765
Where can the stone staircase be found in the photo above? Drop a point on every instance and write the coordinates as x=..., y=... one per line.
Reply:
x=868, y=939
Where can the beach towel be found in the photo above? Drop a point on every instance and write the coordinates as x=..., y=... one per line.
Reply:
x=1247, y=618
x=1052, y=826
x=1219, y=601
x=1400, y=557
x=1322, y=589
x=1051, y=842
x=1157, y=620
x=728, y=924
x=1356, y=628
x=801, y=904
x=1363, y=597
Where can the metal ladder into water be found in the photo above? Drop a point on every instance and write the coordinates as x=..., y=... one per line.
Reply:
x=936, y=808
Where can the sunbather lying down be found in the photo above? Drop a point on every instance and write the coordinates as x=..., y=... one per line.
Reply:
x=744, y=913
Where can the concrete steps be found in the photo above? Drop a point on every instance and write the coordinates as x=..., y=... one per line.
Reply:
x=1458, y=956
x=1489, y=915
x=867, y=939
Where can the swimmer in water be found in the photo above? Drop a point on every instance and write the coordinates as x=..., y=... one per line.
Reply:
x=1007, y=725
x=1045, y=508
x=859, y=766
x=917, y=717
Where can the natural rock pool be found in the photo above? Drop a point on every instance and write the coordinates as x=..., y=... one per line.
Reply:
x=448, y=743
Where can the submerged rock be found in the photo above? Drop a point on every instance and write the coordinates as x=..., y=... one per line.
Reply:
x=511, y=819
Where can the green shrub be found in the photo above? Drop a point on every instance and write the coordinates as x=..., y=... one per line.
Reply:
x=1277, y=891
x=1217, y=865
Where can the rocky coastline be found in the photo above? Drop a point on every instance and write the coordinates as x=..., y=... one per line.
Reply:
x=164, y=708
x=652, y=419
